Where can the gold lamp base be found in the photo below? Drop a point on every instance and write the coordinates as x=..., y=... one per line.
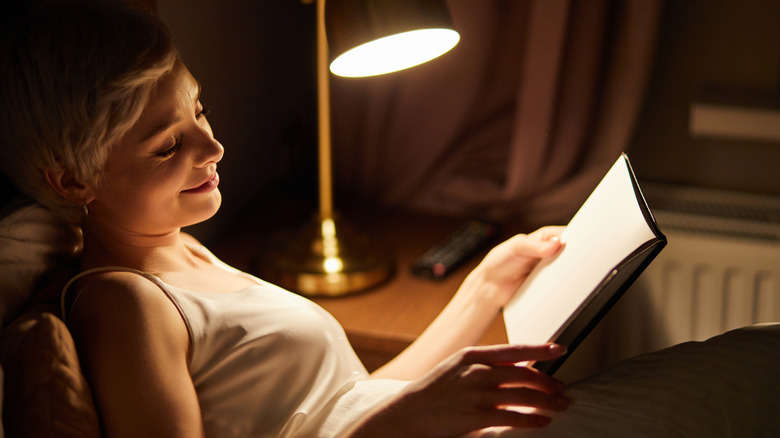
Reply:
x=326, y=258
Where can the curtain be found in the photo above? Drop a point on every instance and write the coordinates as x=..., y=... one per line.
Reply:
x=519, y=121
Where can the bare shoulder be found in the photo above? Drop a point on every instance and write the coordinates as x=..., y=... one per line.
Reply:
x=119, y=292
x=125, y=303
x=135, y=348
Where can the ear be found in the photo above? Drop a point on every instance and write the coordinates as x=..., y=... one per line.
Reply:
x=64, y=183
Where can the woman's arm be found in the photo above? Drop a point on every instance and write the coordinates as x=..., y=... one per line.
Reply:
x=134, y=346
x=477, y=302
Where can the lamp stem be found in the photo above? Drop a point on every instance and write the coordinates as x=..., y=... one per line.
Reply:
x=323, y=115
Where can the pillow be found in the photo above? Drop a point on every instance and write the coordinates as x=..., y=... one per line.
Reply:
x=725, y=386
x=45, y=393
x=33, y=241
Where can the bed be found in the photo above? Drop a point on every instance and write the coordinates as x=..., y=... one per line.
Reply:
x=723, y=387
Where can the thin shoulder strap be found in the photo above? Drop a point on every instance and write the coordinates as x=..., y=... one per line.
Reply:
x=66, y=305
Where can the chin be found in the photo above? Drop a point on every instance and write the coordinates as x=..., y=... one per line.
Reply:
x=207, y=212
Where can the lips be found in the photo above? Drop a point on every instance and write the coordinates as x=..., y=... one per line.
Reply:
x=206, y=186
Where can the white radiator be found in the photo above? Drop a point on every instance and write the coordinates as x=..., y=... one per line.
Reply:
x=719, y=271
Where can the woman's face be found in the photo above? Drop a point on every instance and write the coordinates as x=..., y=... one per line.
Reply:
x=163, y=174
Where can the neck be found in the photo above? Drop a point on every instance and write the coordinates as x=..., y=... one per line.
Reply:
x=106, y=246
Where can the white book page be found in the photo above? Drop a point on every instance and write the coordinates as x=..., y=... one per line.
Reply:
x=607, y=228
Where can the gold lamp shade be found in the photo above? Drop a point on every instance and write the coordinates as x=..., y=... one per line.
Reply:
x=329, y=256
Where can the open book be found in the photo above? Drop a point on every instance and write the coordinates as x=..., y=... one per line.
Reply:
x=608, y=243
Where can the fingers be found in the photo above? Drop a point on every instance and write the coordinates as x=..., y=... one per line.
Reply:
x=548, y=233
x=537, y=246
x=509, y=397
x=501, y=369
x=506, y=267
x=508, y=418
x=512, y=354
x=494, y=370
x=479, y=387
x=521, y=252
x=509, y=376
x=460, y=422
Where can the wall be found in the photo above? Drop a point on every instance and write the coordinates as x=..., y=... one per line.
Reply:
x=255, y=61
x=711, y=50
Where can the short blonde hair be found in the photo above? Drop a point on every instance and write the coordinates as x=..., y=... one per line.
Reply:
x=75, y=75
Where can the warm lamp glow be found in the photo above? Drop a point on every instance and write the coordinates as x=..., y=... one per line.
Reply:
x=328, y=257
x=395, y=52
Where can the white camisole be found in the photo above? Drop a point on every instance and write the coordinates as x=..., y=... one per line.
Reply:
x=268, y=363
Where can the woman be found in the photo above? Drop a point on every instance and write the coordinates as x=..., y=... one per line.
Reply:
x=102, y=123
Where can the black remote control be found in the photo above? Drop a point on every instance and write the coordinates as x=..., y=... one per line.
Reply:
x=464, y=243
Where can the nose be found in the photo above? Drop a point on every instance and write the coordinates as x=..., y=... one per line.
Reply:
x=209, y=151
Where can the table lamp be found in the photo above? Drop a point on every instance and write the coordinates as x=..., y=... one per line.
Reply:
x=328, y=257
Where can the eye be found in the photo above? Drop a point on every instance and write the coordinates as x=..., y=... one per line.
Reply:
x=166, y=153
x=204, y=111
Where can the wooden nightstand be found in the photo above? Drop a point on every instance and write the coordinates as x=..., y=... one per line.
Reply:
x=382, y=321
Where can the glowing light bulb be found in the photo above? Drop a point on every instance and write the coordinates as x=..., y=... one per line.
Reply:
x=394, y=53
